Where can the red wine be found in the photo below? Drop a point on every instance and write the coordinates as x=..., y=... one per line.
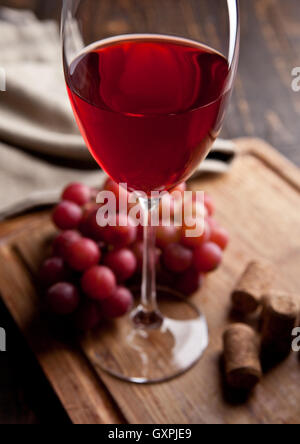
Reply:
x=148, y=107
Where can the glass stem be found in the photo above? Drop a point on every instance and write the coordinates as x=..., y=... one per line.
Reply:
x=148, y=298
x=147, y=313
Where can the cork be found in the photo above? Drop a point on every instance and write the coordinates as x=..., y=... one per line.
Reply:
x=279, y=317
x=241, y=355
x=254, y=282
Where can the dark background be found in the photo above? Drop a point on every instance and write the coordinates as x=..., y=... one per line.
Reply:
x=263, y=105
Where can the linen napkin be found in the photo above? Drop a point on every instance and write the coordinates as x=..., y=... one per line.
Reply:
x=35, y=113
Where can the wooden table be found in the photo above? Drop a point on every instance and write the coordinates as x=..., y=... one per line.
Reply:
x=263, y=105
x=199, y=396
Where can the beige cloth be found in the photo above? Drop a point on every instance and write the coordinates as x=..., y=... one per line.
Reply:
x=35, y=112
x=27, y=182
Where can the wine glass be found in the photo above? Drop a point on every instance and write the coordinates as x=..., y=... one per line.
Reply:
x=149, y=94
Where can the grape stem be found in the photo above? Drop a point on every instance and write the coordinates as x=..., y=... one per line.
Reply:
x=147, y=314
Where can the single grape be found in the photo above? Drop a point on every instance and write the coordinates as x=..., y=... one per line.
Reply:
x=88, y=221
x=121, y=235
x=53, y=270
x=209, y=204
x=166, y=235
x=63, y=240
x=62, y=298
x=118, y=304
x=189, y=281
x=87, y=316
x=177, y=258
x=207, y=257
x=67, y=215
x=77, y=193
x=83, y=254
x=220, y=237
x=193, y=242
x=99, y=282
x=123, y=263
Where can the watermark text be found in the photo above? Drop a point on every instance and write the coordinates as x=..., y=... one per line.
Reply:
x=2, y=340
x=296, y=79
x=2, y=79
x=177, y=208
x=296, y=341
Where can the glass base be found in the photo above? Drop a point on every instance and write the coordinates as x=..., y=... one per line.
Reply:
x=164, y=349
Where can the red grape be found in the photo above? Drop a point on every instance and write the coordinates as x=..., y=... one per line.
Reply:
x=67, y=215
x=207, y=257
x=118, y=304
x=52, y=271
x=63, y=240
x=166, y=235
x=209, y=204
x=123, y=263
x=77, y=193
x=83, y=254
x=177, y=258
x=189, y=281
x=99, y=282
x=121, y=235
x=62, y=298
x=88, y=221
x=193, y=242
x=220, y=237
x=87, y=316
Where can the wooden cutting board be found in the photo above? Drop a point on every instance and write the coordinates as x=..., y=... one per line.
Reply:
x=259, y=203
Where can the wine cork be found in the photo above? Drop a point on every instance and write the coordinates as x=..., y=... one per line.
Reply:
x=279, y=317
x=254, y=282
x=241, y=354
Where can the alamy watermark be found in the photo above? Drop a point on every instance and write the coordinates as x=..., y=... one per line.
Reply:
x=2, y=340
x=296, y=79
x=177, y=209
x=2, y=79
x=296, y=341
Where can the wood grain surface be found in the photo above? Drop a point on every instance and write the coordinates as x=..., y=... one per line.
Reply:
x=258, y=202
x=263, y=105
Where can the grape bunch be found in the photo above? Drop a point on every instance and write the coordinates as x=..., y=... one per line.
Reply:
x=92, y=267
